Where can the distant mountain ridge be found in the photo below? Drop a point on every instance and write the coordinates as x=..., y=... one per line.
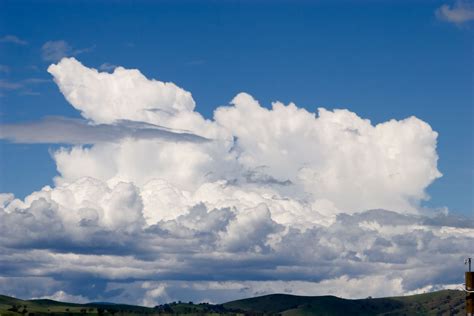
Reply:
x=445, y=302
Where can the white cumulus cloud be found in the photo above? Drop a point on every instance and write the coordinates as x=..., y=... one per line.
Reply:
x=275, y=199
x=123, y=94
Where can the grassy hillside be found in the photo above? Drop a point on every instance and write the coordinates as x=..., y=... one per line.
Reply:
x=445, y=302
x=10, y=306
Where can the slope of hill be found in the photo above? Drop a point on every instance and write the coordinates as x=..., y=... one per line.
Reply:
x=446, y=302
x=10, y=306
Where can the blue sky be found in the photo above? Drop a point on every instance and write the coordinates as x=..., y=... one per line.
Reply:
x=379, y=59
x=258, y=198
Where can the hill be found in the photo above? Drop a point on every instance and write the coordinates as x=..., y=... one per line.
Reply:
x=446, y=302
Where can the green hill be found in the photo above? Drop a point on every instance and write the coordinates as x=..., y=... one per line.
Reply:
x=10, y=306
x=446, y=302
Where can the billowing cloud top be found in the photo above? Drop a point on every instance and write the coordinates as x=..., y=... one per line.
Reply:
x=273, y=199
x=123, y=94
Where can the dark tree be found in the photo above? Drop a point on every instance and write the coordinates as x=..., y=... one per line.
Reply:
x=14, y=308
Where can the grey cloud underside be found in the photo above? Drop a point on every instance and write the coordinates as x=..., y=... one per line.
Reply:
x=60, y=130
x=197, y=247
x=258, y=175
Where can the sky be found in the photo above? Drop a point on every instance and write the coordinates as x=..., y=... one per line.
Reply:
x=210, y=151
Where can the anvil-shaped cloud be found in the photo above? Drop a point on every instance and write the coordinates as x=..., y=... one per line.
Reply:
x=165, y=203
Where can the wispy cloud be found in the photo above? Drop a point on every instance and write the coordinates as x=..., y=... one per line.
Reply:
x=60, y=130
x=8, y=85
x=23, y=86
x=32, y=67
x=53, y=51
x=13, y=39
x=460, y=12
x=4, y=68
x=30, y=93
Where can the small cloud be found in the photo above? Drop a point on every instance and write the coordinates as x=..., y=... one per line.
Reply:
x=8, y=85
x=83, y=50
x=31, y=93
x=36, y=80
x=53, y=51
x=461, y=12
x=22, y=86
x=4, y=69
x=107, y=67
x=13, y=39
